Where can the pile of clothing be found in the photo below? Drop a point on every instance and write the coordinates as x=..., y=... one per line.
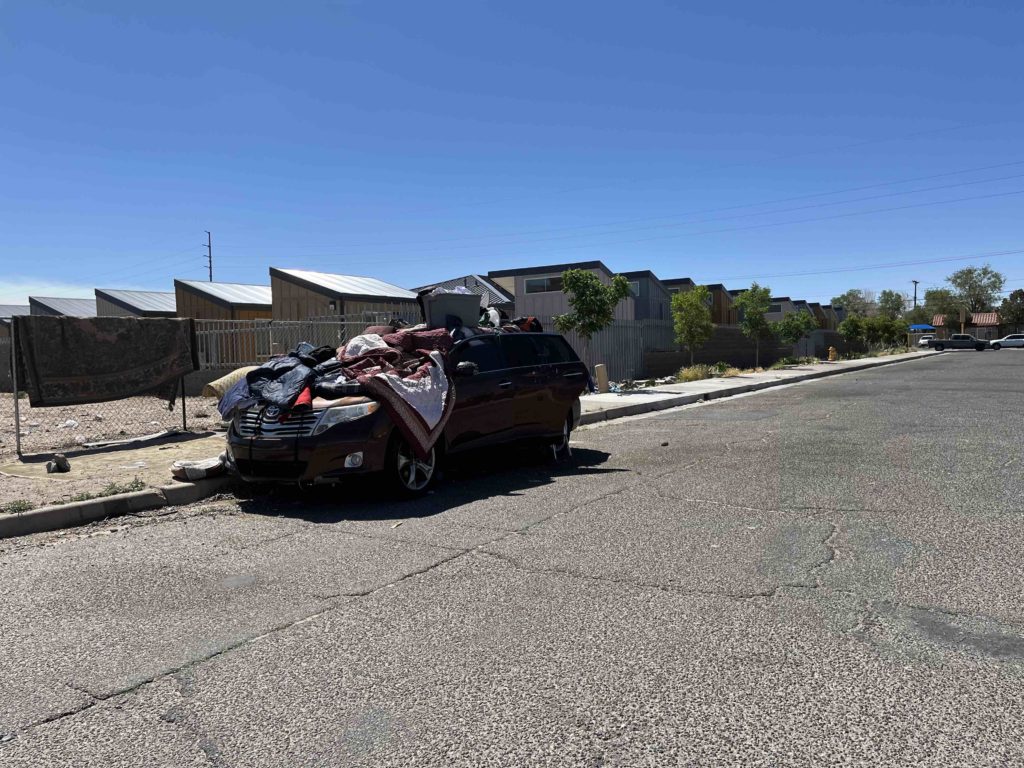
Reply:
x=405, y=370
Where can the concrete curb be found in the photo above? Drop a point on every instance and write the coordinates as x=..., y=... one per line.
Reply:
x=635, y=409
x=82, y=512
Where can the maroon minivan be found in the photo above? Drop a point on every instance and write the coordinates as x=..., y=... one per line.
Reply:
x=508, y=387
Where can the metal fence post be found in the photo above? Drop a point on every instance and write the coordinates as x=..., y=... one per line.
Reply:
x=14, y=387
x=184, y=415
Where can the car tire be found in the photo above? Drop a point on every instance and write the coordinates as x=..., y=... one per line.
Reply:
x=997, y=346
x=979, y=347
x=407, y=474
x=561, y=450
x=939, y=347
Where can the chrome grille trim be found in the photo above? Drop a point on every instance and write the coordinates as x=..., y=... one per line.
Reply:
x=299, y=424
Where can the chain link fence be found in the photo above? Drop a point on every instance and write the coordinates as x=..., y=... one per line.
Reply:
x=222, y=346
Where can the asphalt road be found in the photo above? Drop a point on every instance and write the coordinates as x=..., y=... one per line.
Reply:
x=830, y=573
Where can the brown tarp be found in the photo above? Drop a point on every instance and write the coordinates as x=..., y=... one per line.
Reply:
x=72, y=360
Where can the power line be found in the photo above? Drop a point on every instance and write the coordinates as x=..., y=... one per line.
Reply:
x=780, y=156
x=882, y=265
x=695, y=233
x=354, y=251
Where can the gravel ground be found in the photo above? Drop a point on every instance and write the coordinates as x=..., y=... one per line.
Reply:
x=46, y=430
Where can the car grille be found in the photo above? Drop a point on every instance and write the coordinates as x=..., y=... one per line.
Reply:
x=276, y=469
x=253, y=423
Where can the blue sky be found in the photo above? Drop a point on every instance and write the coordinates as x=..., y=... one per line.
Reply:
x=419, y=141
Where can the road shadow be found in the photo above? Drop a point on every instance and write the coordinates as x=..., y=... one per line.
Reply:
x=502, y=471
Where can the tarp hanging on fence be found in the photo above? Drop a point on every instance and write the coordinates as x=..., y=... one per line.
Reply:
x=73, y=360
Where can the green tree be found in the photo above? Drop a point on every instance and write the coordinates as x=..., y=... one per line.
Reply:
x=881, y=330
x=691, y=317
x=794, y=327
x=918, y=315
x=952, y=318
x=852, y=329
x=940, y=301
x=891, y=304
x=592, y=303
x=977, y=287
x=854, y=301
x=752, y=305
x=1012, y=310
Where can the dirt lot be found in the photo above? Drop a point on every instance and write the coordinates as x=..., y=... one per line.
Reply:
x=67, y=429
x=47, y=430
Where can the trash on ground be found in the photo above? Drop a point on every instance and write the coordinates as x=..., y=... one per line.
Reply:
x=198, y=470
x=58, y=464
x=69, y=424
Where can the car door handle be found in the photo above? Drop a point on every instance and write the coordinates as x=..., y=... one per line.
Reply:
x=505, y=384
x=572, y=375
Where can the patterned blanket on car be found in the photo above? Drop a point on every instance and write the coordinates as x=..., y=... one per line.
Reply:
x=409, y=377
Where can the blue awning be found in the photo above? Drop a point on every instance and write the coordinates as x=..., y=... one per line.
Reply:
x=922, y=327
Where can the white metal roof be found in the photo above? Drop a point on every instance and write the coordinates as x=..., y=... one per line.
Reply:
x=232, y=293
x=141, y=301
x=10, y=310
x=60, y=305
x=347, y=285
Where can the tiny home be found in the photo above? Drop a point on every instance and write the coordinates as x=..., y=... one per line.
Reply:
x=652, y=299
x=538, y=290
x=222, y=301
x=118, y=303
x=677, y=284
x=830, y=316
x=7, y=311
x=819, y=314
x=780, y=307
x=60, y=306
x=299, y=294
x=722, y=312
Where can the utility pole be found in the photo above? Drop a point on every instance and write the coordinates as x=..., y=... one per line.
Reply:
x=209, y=252
x=915, y=282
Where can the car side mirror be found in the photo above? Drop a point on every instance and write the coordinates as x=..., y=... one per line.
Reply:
x=467, y=368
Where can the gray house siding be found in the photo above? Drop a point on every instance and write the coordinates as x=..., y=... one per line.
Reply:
x=652, y=299
x=547, y=304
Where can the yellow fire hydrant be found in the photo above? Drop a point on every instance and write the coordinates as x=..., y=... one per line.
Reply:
x=832, y=354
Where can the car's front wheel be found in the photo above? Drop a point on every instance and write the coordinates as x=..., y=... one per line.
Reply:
x=408, y=474
x=939, y=347
x=997, y=346
x=979, y=347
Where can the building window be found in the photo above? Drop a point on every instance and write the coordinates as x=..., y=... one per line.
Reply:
x=543, y=284
x=634, y=287
x=774, y=308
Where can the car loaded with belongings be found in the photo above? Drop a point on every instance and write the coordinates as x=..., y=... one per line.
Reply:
x=395, y=400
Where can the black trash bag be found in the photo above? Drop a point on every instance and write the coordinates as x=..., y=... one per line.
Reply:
x=280, y=381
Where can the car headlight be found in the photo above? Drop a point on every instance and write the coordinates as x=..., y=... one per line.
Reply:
x=343, y=414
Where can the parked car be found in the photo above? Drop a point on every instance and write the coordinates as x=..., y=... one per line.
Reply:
x=958, y=341
x=923, y=341
x=509, y=387
x=1013, y=340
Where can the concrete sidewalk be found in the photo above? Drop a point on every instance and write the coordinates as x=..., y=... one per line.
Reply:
x=604, y=407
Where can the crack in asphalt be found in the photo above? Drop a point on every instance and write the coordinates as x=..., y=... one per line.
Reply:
x=343, y=597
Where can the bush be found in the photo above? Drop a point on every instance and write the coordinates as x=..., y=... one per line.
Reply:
x=14, y=507
x=697, y=373
x=782, y=362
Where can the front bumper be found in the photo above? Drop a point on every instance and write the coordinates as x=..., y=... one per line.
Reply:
x=314, y=458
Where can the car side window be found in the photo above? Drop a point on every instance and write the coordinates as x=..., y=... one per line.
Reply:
x=520, y=350
x=555, y=349
x=483, y=351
